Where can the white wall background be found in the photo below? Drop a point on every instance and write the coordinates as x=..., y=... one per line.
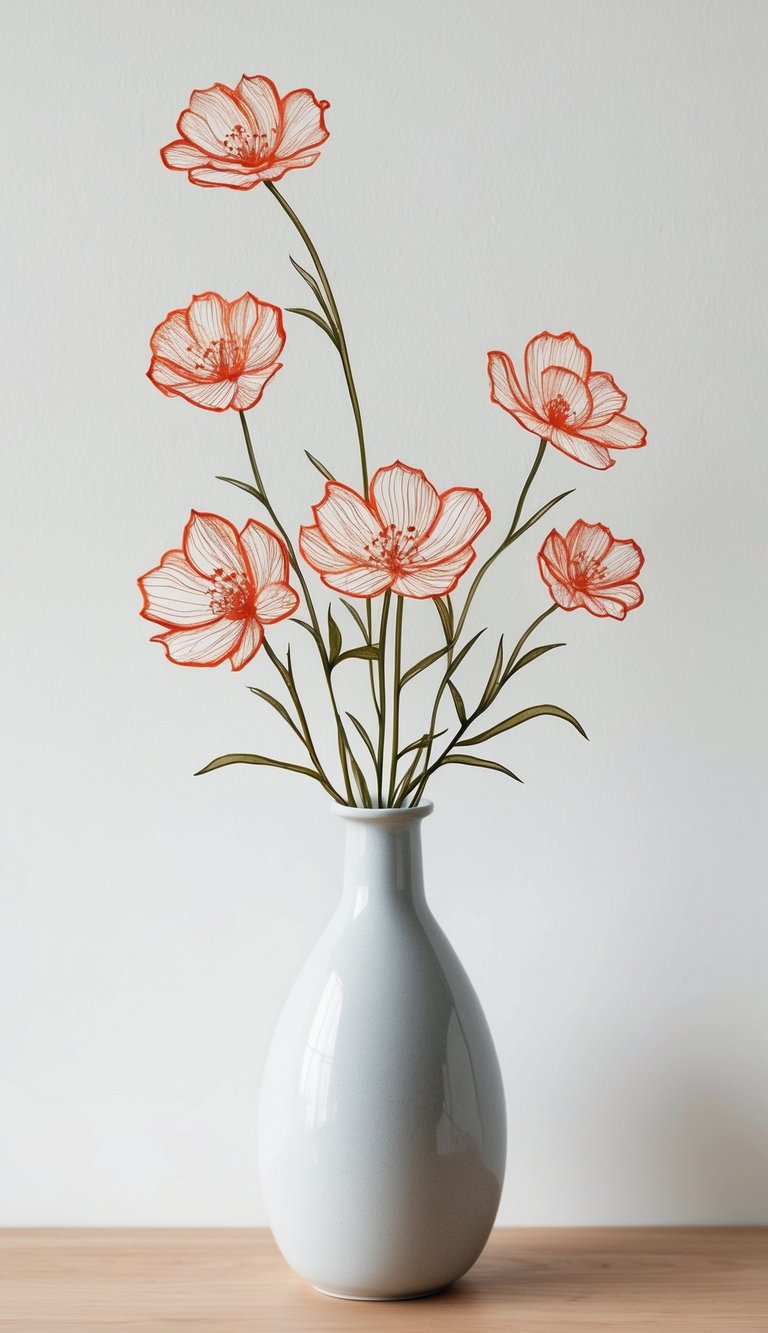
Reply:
x=493, y=169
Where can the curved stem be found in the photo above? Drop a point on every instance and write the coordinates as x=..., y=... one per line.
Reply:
x=304, y=727
x=382, y=696
x=296, y=567
x=396, y=699
x=334, y=310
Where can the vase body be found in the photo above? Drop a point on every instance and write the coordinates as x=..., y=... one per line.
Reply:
x=382, y=1128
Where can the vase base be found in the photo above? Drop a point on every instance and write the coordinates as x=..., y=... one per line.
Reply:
x=350, y=1296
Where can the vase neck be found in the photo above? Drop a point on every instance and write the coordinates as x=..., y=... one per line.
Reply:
x=382, y=858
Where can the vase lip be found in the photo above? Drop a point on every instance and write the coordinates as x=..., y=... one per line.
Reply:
x=391, y=815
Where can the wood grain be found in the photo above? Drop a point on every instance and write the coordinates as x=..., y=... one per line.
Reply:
x=539, y=1280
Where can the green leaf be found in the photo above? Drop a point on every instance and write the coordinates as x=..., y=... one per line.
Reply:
x=539, y=514
x=334, y=639
x=491, y=689
x=476, y=762
x=316, y=319
x=315, y=288
x=306, y=625
x=321, y=469
x=359, y=777
x=458, y=703
x=422, y=742
x=245, y=486
x=424, y=663
x=459, y=658
x=261, y=759
x=444, y=609
x=355, y=614
x=361, y=731
x=279, y=708
x=530, y=656
x=526, y=714
x=368, y=651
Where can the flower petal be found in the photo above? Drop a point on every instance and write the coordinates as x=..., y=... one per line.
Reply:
x=557, y=382
x=561, y=592
x=207, y=318
x=225, y=176
x=346, y=521
x=358, y=580
x=221, y=111
x=404, y=499
x=249, y=388
x=204, y=646
x=320, y=554
x=249, y=645
x=550, y=349
x=211, y=544
x=275, y=602
x=554, y=553
x=261, y=97
x=182, y=156
x=587, y=543
x=462, y=517
x=621, y=562
x=422, y=581
x=583, y=450
x=607, y=398
x=303, y=124
x=602, y=605
x=505, y=386
x=173, y=341
x=175, y=594
x=265, y=338
x=215, y=395
x=265, y=552
x=618, y=433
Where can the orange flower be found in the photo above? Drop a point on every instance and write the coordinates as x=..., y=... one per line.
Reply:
x=240, y=136
x=564, y=402
x=217, y=593
x=406, y=536
x=216, y=353
x=589, y=568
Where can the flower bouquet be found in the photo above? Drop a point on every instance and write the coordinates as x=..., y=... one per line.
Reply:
x=382, y=1122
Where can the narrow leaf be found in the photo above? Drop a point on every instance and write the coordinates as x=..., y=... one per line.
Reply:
x=368, y=651
x=491, y=689
x=539, y=514
x=355, y=614
x=315, y=288
x=479, y=763
x=530, y=656
x=279, y=708
x=445, y=612
x=306, y=625
x=361, y=731
x=422, y=742
x=526, y=714
x=244, y=486
x=334, y=638
x=459, y=658
x=458, y=703
x=424, y=663
x=316, y=319
x=316, y=463
x=362, y=785
x=227, y=759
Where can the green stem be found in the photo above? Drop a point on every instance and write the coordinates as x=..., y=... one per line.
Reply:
x=296, y=567
x=304, y=726
x=524, y=637
x=382, y=696
x=480, y=575
x=396, y=699
x=334, y=310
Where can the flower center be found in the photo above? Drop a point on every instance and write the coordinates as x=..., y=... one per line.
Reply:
x=558, y=411
x=240, y=143
x=232, y=596
x=223, y=357
x=585, y=573
x=392, y=547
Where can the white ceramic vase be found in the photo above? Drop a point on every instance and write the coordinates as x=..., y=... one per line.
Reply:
x=382, y=1128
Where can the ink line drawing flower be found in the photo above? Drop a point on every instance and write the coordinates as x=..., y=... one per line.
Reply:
x=238, y=137
x=579, y=411
x=407, y=536
x=218, y=354
x=589, y=568
x=215, y=595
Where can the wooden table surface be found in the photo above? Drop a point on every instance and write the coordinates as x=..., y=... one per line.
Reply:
x=527, y=1281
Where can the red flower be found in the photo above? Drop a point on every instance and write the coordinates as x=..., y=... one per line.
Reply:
x=216, y=353
x=564, y=402
x=216, y=594
x=240, y=136
x=589, y=568
x=406, y=537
